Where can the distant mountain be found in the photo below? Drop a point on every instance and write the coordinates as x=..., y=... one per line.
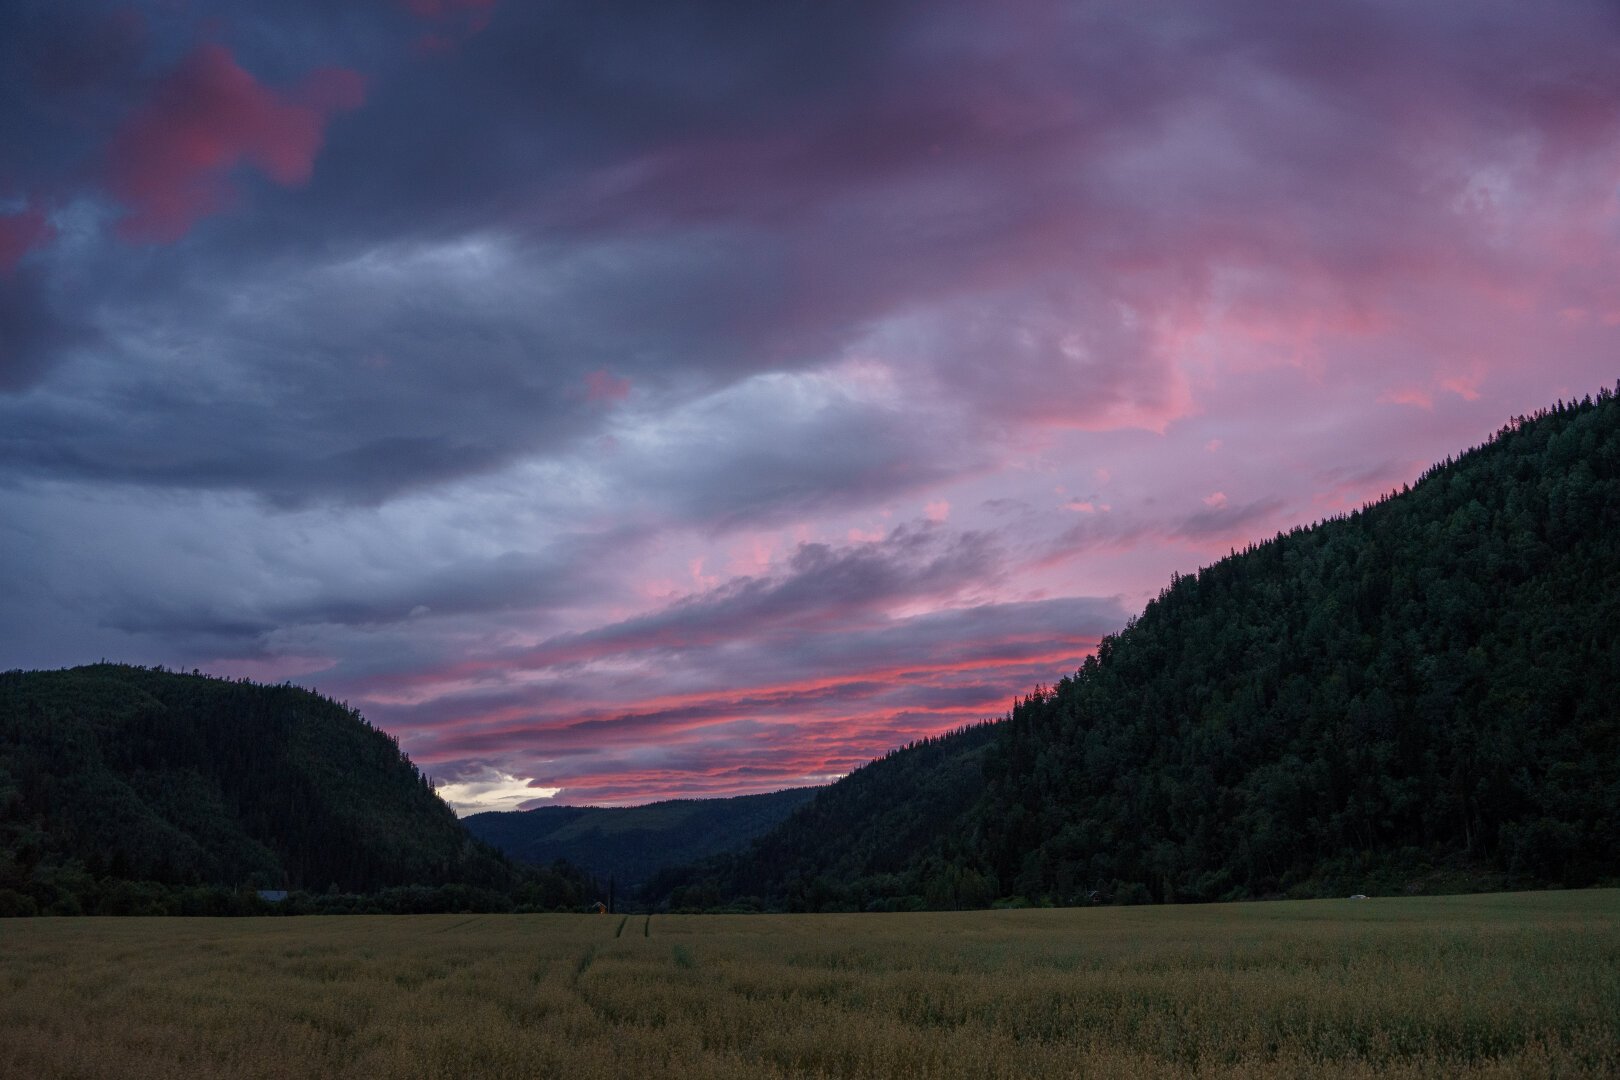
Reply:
x=110, y=773
x=1420, y=694
x=630, y=844
x=877, y=829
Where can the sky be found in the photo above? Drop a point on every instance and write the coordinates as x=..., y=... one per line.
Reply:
x=641, y=400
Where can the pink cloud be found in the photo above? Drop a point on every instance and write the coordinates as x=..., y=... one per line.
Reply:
x=1464, y=386
x=20, y=233
x=172, y=161
x=750, y=738
x=1346, y=491
x=605, y=386
x=1415, y=396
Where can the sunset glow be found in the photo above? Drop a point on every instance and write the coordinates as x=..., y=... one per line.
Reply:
x=629, y=402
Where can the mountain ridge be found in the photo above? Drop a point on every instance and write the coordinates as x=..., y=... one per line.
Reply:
x=631, y=843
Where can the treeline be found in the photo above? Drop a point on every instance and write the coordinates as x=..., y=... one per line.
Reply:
x=884, y=838
x=628, y=844
x=125, y=788
x=1418, y=695
x=1429, y=680
x=70, y=890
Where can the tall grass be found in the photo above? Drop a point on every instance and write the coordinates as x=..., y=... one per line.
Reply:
x=1517, y=985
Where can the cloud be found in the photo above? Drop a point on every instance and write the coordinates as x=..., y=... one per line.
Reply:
x=783, y=447
x=559, y=401
x=490, y=789
x=1053, y=353
x=1217, y=524
x=272, y=388
x=820, y=585
x=1227, y=521
x=172, y=161
x=20, y=233
x=605, y=386
x=361, y=376
x=786, y=704
x=33, y=334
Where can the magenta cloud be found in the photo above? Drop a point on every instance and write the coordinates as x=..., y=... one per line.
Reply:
x=172, y=162
x=20, y=233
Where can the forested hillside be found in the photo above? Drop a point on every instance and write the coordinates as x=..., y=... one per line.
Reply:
x=1427, y=686
x=628, y=844
x=113, y=774
x=878, y=838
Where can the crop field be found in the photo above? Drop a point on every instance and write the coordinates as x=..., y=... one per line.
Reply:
x=1503, y=985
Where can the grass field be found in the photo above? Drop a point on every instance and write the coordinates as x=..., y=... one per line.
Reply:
x=1502, y=985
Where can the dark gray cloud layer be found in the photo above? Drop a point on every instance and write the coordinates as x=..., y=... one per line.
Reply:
x=33, y=336
x=686, y=194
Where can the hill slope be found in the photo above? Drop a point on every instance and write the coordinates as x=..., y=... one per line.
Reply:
x=126, y=773
x=1429, y=682
x=629, y=844
x=883, y=834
